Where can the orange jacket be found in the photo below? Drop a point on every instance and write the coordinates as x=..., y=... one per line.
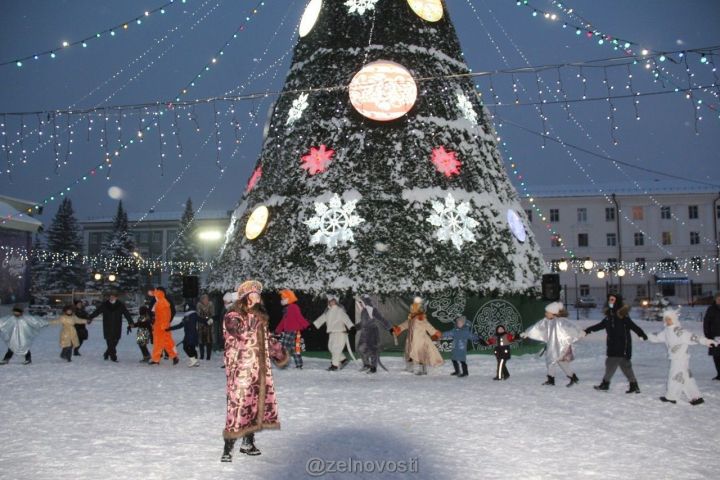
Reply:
x=162, y=311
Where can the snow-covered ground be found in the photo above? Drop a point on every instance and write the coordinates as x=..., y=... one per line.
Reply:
x=96, y=419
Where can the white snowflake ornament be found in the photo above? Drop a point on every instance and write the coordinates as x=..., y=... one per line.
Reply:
x=298, y=107
x=360, y=6
x=453, y=221
x=463, y=103
x=333, y=222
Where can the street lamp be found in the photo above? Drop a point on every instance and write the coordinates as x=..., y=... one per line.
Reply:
x=600, y=274
x=588, y=264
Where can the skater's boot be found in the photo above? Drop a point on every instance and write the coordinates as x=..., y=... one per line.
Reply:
x=573, y=380
x=633, y=388
x=550, y=380
x=604, y=386
x=248, y=445
x=227, y=450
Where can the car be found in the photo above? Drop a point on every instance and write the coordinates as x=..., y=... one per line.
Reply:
x=585, y=302
x=40, y=310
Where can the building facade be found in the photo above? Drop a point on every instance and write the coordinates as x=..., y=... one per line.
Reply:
x=646, y=239
x=17, y=227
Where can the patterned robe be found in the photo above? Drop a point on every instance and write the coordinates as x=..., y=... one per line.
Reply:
x=251, y=402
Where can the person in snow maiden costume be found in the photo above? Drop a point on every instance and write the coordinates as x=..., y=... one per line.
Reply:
x=18, y=331
x=113, y=311
x=368, y=343
x=415, y=308
x=617, y=323
x=337, y=323
x=558, y=334
x=162, y=338
x=81, y=328
x=206, y=310
x=419, y=346
x=68, y=334
x=677, y=340
x=502, y=340
x=251, y=402
x=711, y=329
x=190, y=325
x=460, y=336
x=291, y=326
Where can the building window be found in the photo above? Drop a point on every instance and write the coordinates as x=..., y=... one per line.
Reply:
x=157, y=237
x=640, y=291
x=696, y=264
x=612, y=263
x=611, y=239
x=697, y=290
x=639, y=239
x=641, y=264
x=584, y=290
x=609, y=214
x=694, y=238
x=666, y=238
x=668, y=265
x=555, y=241
x=638, y=213
x=583, y=240
x=554, y=215
x=665, y=213
x=692, y=212
x=528, y=214
x=582, y=215
x=144, y=237
x=717, y=211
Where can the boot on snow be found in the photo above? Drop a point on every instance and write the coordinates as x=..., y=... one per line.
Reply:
x=227, y=450
x=248, y=445
x=634, y=388
x=573, y=380
x=550, y=380
x=604, y=386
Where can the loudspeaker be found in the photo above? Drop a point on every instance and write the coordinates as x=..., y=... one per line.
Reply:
x=191, y=286
x=551, y=287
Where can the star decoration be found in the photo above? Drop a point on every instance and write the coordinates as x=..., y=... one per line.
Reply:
x=445, y=162
x=333, y=222
x=254, y=178
x=453, y=221
x=317, y=160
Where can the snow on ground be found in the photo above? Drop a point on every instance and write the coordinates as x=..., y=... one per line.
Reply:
x=93, y=418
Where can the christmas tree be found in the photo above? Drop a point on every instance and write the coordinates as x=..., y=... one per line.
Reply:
x=380, y=170
x=185, y=253
x=65, y=271
x=38, y=273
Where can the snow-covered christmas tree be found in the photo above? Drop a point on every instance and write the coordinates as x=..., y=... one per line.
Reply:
x=380, y=171
x=184, y=252
x=64, y=269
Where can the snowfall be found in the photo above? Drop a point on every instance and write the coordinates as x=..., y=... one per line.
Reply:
x=96, y=419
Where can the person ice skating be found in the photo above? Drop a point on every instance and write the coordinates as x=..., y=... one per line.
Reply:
x=251, y=401
x=559, y=334
x=113, y=311
x=419, y=347
x=190, y=324
x=501, y=341
x=143, y=324
x=291, y=326
x=460, y=335
x=162, y=338
x=337, y=323
x=369, y=339
x=206, y=311
x=677, y=340
x=617, y=323
x=18, y=330
x=711, y=329
x=68, y=334
x=82, y=331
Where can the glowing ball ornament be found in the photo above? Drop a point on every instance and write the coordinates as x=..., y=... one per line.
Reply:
x=383, y=90
x=312, y=12
x=516, y=226
x=430, y=10
x=116, y=193
x=256, y=223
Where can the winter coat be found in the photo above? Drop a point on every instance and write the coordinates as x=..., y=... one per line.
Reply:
x=144, y=327
x=618, y=324
x=190, y=323
x=81, y=328
x=336, y=320
x=251, y=401
x=206, y=312
x=460, y=337
x=112, y=318
x=68, y=334
x=19, y=332
x=558, y=334
x=419, y=346
x=292, y=320
x=370, y=321
x=711, y=326
x=502, y=345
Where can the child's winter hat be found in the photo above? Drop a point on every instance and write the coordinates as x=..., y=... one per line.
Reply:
x=554, y=307
x=417, y=300
x=248, y=287
x=672, y=314
x=17, y=308
x=499, y=327
x=288, y=295
x=330, y=296
x=461, y=317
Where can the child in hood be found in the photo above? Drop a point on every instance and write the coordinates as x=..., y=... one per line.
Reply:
x=460, y=336
x=68, y=334
x=18, y=331
x=189, y=324
x=291, y=326
x=419, y=346
x=558, y=334
x=337, y=323
x=680, y=380
x=501, y=340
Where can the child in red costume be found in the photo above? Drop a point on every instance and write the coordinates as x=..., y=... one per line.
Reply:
x=291, y=325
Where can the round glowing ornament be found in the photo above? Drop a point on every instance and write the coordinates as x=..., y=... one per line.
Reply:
x=516, y=225
x=383, y=90
x=312, y=12
x=430, y=10
x=256, y=223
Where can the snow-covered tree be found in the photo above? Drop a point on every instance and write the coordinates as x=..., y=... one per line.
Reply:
x=184, y=252
x=380, y=169
x=64, y=269
x=38, y=271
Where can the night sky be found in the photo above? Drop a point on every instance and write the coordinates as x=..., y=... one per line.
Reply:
x=153, y=61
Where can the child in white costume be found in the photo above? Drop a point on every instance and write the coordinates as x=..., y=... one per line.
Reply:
x=337, y=323
x=558, y=334
x=677, y=340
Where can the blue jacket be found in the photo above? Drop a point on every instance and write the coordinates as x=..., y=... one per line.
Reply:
x=190, y=326
x=460, y=337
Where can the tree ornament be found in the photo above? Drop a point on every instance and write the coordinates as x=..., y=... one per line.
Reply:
x=430, y=10
x=254, y=179
x=453, y=221
x=256, y=222
x=516, y=225
x=466, y=108
x=360, y=6
x=298, y=107
x=317, y=160
x=333, y=222
x=312, y=12
x=383, y=90
x=445, y=162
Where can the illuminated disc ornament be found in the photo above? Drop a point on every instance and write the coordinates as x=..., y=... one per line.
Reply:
x=383, y=90
x=312, y=12
x=256, y=223
x=430, y=10
x=516, y=225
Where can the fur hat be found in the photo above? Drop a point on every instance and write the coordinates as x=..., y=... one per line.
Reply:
x=672, y=314
x=248, y=287
x=288, y=295
x=554, y=307
x=230, y=297
x=417, y=300
x=330, y=296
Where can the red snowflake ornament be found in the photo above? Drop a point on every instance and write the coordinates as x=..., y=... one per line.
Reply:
x=445, y=162
x=254, y=179
x=317, y=160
